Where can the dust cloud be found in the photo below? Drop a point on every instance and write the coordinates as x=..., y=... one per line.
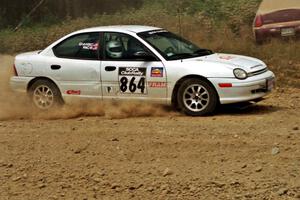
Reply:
x=16, y=106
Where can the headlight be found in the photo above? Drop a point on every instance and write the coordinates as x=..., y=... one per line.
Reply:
x=240, y=73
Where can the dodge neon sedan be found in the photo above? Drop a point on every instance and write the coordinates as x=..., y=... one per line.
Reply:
x=138, y=63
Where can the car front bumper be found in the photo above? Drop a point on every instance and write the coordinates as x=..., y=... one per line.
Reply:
x=250, y=89
x=20, y=84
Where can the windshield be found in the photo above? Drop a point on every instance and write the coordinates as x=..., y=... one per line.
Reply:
x=171, y=46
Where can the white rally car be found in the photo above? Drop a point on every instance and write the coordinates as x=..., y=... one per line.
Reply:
x=138, y=63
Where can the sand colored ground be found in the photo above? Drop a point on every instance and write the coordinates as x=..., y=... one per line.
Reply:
x=129, y=151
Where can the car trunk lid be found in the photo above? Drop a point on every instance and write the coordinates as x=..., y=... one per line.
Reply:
x=281, y=16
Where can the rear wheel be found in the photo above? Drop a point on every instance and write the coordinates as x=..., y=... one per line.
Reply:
x=45, y=95
x=197, y=97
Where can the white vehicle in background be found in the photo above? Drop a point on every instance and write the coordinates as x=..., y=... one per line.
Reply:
x=139, y=63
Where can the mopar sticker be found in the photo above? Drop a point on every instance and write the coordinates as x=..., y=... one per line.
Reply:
x=157, y=72
x=132, y=80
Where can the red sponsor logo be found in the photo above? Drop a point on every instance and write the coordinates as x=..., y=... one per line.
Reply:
x=73, y=92
x=226, y=57
x=157, y=84
x=95, y=47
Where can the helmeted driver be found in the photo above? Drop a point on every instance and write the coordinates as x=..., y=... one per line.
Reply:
x=114, y=49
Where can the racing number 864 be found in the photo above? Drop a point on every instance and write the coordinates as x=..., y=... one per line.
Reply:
x=130, y=85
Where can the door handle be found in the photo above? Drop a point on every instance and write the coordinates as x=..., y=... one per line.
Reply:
x=110, y=68
x=55, y=67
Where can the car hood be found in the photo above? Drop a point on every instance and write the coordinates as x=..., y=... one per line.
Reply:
x=232, y=61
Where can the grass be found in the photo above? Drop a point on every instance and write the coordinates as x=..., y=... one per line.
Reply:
x=231, y=33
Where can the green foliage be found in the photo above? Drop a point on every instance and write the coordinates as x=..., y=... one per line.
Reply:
x=223, y=26
x=50, y=10
x=232, y=12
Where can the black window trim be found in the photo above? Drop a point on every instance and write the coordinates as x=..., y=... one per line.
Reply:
x=75, y=35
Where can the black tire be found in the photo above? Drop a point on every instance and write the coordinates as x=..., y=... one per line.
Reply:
x=45, y=95
x=197, y=103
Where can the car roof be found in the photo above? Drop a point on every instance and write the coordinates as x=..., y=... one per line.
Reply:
x=268, y=6
x=130, y=28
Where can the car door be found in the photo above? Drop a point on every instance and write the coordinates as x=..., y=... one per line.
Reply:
x=130, y=71
x=76, y=65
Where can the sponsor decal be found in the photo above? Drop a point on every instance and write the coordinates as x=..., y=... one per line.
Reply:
x=157, y=72
x=157, y=84
x=132, y=80
x=132, y=71
x=73, y=92
x=89, y=46
x=226, y=57
x=158, y=31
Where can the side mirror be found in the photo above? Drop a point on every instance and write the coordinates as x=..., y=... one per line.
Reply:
x=143, y=55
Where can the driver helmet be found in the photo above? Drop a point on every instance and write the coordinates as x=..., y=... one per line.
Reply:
x=114, y=49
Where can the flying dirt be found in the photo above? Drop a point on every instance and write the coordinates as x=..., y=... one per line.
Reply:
x=16, y=106
x=95, y=150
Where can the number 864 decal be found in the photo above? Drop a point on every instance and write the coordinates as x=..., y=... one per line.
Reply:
x=132, y=80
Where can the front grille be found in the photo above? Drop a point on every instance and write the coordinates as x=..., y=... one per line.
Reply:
x=257, y=72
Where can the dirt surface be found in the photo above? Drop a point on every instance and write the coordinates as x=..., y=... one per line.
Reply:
x=124, y=152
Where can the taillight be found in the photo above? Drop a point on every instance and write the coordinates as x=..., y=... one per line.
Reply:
x=15, y=71
x=258, y=21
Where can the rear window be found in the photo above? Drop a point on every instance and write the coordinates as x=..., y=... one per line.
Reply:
x=82, y=46
x=281, y=16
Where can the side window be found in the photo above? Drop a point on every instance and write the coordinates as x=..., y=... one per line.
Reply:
x=120, y=46
x=82, y=46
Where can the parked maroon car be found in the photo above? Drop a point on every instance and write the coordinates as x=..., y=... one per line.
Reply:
x=277, y=18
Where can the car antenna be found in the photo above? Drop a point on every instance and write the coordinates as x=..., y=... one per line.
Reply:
x=179, y=20
x=28, y=15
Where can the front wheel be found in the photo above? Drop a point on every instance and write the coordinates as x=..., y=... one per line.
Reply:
x=45, y=95
x=197, y=97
